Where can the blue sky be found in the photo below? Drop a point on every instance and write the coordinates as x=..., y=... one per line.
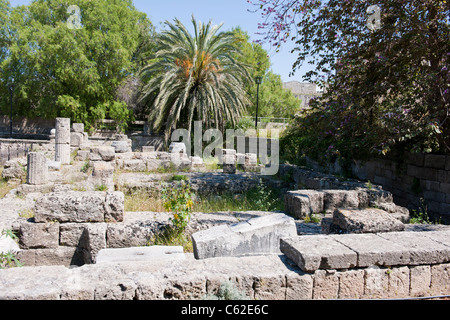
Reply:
x=231, y=12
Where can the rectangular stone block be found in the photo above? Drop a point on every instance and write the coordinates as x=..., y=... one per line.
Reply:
x=373, y=250
x=398, y=278
x=434, y=161
x=39, y=235
x=299, y=286
x=376, y=283
x=333, y=199
x=255, y=237
x=61, y=256
x=304, y=203
x=422, y=249
x=102, y=154
x=78, y=127
x=420, y=281
x=440, y=279
x=326, y=285
x=80, y=207
x=366, y=221
x=311, y=253
x=351, y=284
x=138, y=254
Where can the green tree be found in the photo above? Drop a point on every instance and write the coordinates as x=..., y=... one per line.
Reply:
x=274, y=100
x=73, y=72
x=194, y=77
x=388, y=85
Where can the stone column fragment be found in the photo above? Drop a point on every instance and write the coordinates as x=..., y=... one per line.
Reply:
x=37, y=170
x=62, y=140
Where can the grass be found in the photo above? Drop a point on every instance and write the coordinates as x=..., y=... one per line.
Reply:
x=171, y=237
x=256, y=199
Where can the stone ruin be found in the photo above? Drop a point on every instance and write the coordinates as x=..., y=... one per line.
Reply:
x=362, y=248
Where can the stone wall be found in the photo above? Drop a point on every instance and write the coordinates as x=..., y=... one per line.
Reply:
x=262, y=278
x=14, y=148
x=410, y=179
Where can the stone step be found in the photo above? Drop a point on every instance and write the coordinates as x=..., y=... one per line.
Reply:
x=316, y=252
x=140, y=254
x=369, y=220
x=302, y=203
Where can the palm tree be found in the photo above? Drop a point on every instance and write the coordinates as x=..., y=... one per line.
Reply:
x=194, y=77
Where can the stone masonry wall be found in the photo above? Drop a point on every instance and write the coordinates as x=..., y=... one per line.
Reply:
x=410, y=179
x=420, y=176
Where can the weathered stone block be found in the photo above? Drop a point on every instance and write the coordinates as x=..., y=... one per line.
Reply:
x=77, y=139
x=333, y=199
x=420, y=281
x=103, y=174
x=78, y=127
x=121, y=146
x=138, y=254
x=398, y=278
x=304, y=203
x=422, y=249
x=374, y=250
x=135, y=165
x=351, y=284
x=60, y=256
x=311, y=253
x=299, y=286
x=440, y=279
x=114, y=207
x=102, y=154
x=257, y=236
x=72, y=234
x=80, y=207
x=326, y=285
x=366, y=221
x=376, y=283
x=39, y=235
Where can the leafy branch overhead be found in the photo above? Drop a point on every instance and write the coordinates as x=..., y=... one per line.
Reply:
x=387, y=88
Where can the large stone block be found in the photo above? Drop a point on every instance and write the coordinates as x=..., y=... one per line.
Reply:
x=39, y=235
x=311, y=253
x=121, y=146
x=256, y=236
x=80, y=207
x=366, y=221
x=304, y=203
x=77, y=139
x=333, y=199
x=422, y=249
x=102, y=154
x=139, y=254
x=78, y=127
x=103, y=174
x=373, y=250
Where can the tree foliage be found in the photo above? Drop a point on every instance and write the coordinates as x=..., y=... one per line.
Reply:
x=194, y=77
x=274, y=100
x=387, y=87
x=71, y=72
